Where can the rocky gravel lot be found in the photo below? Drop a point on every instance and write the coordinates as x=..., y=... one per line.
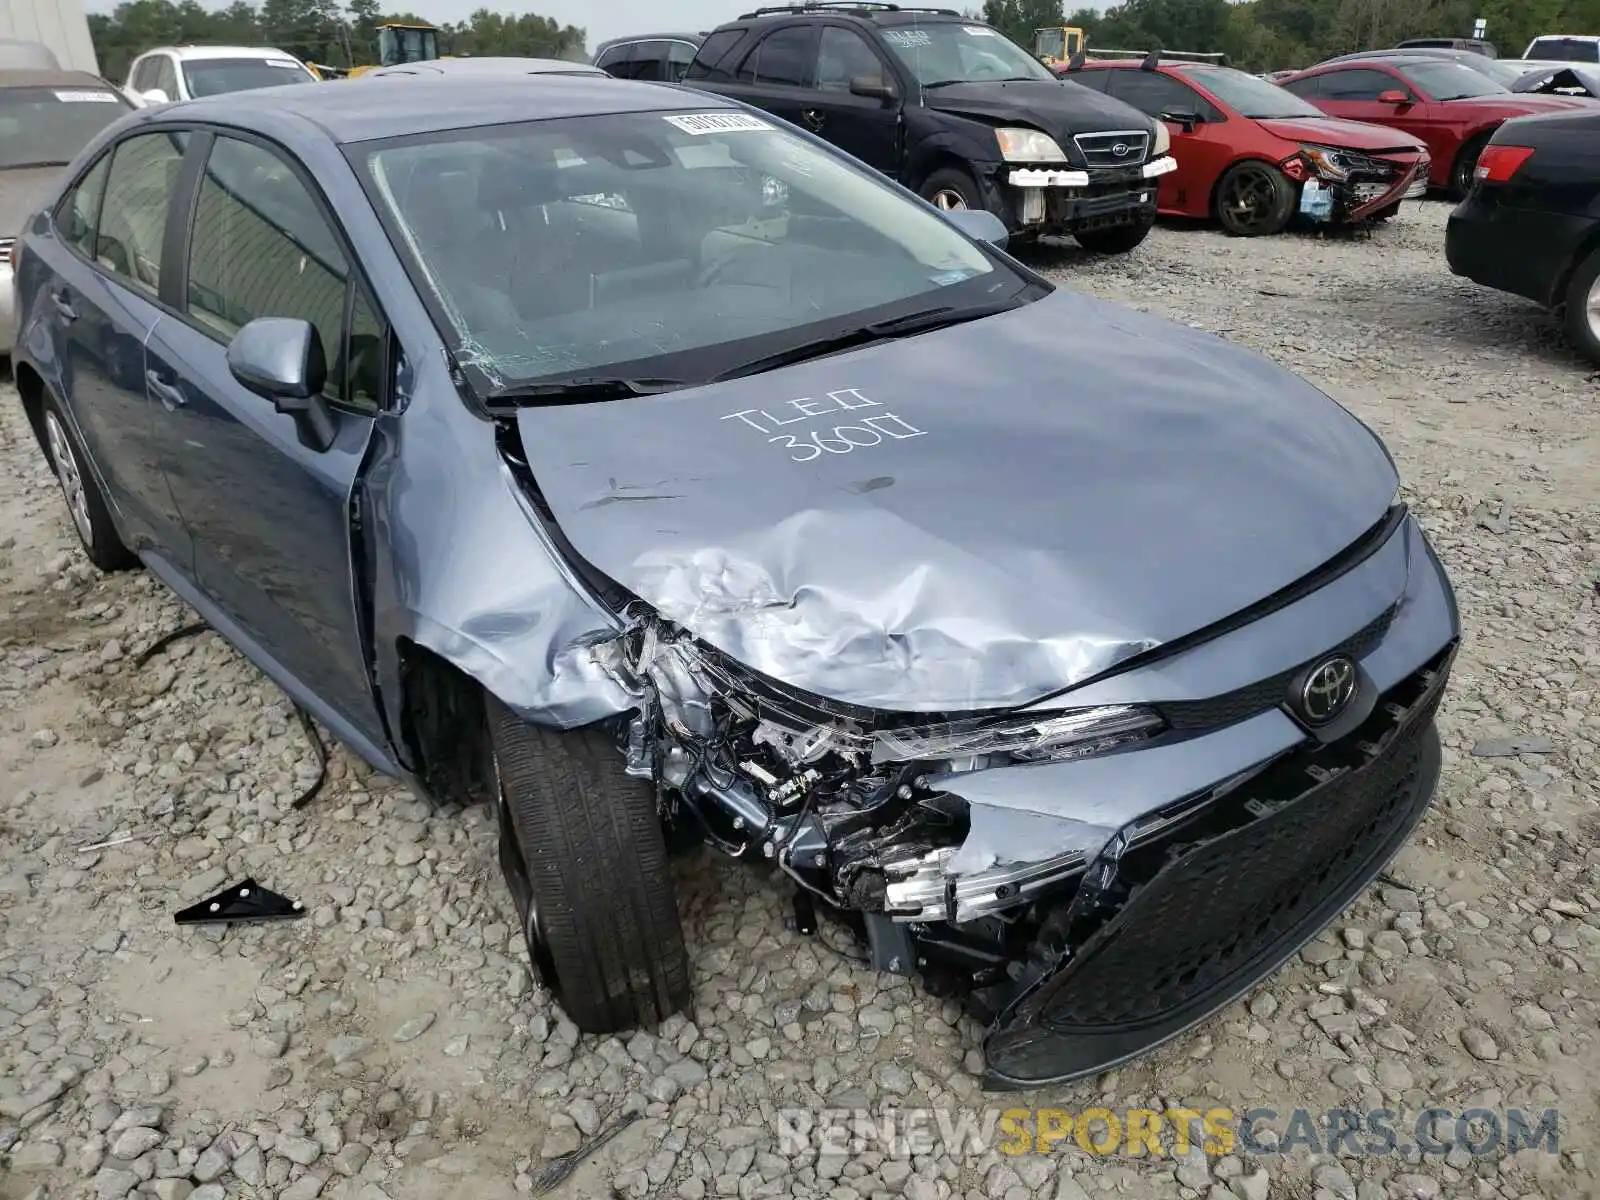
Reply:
x=393, y=1045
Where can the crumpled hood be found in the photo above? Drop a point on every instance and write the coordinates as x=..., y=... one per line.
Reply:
x=23, y=191
x=1523, y=104
x=1334, y=131
x=1059, y=107
x=970, y=518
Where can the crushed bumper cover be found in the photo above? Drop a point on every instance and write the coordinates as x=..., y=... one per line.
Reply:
x=1066, y=200
x=1225, y=903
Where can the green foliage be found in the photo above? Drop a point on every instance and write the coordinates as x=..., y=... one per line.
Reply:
x=1017, y=19
x=314, y=30
x=1271, y=34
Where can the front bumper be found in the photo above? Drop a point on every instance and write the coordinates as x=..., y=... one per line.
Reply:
x=1376, y=184
x=1215, y=907
x=1066, y=200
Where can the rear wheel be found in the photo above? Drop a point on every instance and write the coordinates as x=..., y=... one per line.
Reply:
x=583, y=853
x=1119, y=239
x=86, y=505
x=1466, y=162
x=950, y=188
x=1254, y=199
x=1582, y=314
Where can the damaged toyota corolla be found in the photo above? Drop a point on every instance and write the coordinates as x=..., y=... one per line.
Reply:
x=663, y=476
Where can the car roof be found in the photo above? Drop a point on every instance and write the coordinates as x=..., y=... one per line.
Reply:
x=1373, y=60
x=486, y=66
x=194, y=53
x=1567, y=37
x=881, y=15
x=650, y=37
x=41, y=78
x=363, y=110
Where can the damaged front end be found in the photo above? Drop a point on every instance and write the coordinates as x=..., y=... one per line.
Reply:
x=1093, y=881
x=1346, y=187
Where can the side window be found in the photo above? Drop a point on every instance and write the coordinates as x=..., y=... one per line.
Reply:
x=614, y=59
x=79, y=212
x=166, y=77
x=143, y=76
x=1358, y=85
x=707, y=62
x=679, y=56
x=1307, y=89
x=262, y=248
x=649, y=61
x=133, y=219
x=1097, y=80
x=1153, y=93
x=843, y=55
x=783, y=58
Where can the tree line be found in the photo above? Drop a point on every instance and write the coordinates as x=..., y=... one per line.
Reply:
x=1262, y=35
x=322, y=31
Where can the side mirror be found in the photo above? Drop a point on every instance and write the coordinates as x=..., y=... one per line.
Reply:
x=872, y=87
x=979, y=224
x=281, y=358
x=155, y=96
x=1394, y=96
x=1184, y=119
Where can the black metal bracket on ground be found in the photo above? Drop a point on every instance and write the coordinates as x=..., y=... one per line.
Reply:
x=321, y=751
x=243, y=903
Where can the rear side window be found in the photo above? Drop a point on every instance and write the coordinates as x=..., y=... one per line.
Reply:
x=613, y=58
x=1307, y=89
x=262, y=248
x=133, y=219
x=1564, y=49
x=79, y=213
x=707, y=62
x=782, y=59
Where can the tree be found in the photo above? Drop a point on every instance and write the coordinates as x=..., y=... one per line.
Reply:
x=1017, y=19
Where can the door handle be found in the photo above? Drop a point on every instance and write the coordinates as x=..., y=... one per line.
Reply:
x=63, y=303
x=813, y=119
x=170, y=395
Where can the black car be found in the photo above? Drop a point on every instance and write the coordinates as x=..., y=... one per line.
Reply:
x=1529, y=225
x=951, y=108
x=653, y=57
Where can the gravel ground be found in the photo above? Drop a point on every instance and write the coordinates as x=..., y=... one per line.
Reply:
x=393, y=1046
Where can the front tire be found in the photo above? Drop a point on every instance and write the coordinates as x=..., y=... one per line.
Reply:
x=583, y=853
x=951, y=189
x=86, y=504
x=1254, y=199
x=1582, y=310
x=1119, y=239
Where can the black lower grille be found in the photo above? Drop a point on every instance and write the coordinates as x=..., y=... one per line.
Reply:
x=1213, y=712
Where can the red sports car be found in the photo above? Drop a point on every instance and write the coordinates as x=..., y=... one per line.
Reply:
x=1252, y=155
x=1452, y=108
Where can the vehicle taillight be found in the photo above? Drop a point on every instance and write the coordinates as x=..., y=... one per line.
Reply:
x=1497, y=164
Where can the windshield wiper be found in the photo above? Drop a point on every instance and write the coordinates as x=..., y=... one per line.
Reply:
x=583, y=389
x=923, y=321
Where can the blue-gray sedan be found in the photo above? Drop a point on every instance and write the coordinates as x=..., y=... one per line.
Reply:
x=643, y=466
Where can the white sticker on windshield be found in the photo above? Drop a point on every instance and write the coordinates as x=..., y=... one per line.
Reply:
x=717, y=122
x=281, y=65
x=909, y=39
x=979, y=31
x=86, y=97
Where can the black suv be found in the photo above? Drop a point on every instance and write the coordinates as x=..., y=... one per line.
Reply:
x=951, y=108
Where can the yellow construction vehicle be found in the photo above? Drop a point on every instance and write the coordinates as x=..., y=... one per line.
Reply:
x=1057, y=44
x=397, y=43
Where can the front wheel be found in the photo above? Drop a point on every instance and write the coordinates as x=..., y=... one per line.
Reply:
x=1254, y=199
x=583, y=853
x=1582, y=314
x=950, y=189
x=1119, y=239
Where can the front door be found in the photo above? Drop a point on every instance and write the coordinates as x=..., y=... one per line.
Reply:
x=865, y=126
x=270, y=517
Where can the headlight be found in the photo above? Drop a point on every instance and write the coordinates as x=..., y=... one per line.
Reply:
x=1040, y=737
x=1328, y=162
x=1028, y=145
x=1163, y=143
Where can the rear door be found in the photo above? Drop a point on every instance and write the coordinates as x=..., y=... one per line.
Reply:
x=865, y=126
x=270, y=517
x=105, y=268
x=775, y=74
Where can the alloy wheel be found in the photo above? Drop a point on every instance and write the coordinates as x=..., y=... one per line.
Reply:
x=1249, y=197
x=948, y=200
x=71, y=478
x=1591, y=309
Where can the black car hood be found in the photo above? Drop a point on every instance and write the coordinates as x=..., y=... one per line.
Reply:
x=1059, y=107
x=987, y=514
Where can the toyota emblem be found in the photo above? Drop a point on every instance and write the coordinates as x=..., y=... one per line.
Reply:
x=1328, y=689
x=1120, y=149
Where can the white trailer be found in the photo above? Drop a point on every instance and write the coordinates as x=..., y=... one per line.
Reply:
x=62, y=25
